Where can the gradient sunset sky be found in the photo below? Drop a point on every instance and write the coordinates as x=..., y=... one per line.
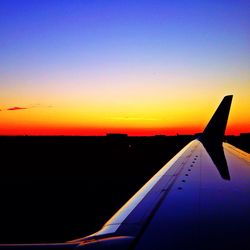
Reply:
x=89, y=67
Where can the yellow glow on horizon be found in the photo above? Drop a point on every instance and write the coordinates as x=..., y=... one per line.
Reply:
x=171, y=102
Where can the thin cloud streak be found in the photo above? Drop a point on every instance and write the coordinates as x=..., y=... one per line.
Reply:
x=16, y=108
x=30, y=107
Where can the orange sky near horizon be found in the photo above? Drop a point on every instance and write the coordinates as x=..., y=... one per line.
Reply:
x=183, y=116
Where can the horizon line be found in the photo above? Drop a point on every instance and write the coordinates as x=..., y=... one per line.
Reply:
x=111, y=134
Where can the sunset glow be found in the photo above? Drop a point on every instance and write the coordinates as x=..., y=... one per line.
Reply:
x=141, y=68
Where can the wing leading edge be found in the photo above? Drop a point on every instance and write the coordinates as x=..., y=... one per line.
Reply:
x=192, y=195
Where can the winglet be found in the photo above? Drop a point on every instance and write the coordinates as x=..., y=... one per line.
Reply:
x=215, y=130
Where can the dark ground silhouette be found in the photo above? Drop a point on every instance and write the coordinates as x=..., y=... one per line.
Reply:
x=60, y=188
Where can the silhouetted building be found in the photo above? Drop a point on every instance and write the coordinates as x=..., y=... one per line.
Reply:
x=117, y=136
x=245, y=135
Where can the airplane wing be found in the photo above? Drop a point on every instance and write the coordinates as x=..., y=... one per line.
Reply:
x=199, y=200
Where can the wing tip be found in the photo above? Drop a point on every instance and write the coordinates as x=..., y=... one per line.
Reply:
x=215, y=129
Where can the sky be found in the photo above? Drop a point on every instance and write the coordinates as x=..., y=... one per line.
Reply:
x=91, y=67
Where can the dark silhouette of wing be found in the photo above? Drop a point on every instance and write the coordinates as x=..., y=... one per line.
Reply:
x=215, y=130
x=213, y=134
